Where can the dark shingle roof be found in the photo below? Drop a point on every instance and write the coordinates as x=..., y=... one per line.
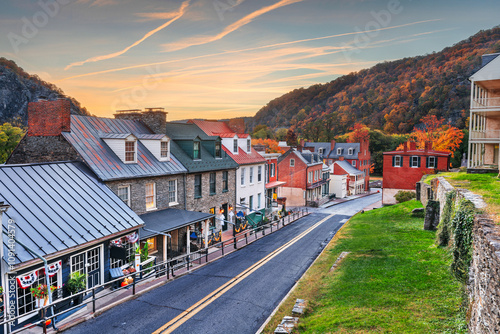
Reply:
x=56, y=206
x=181, y=132
x=345, y=153
x=317, y=146
x=169, y=220
x=86, y=137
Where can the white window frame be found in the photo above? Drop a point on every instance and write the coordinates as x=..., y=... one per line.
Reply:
x=242, y=181
x=101, y=263
x=321, y=150
x=259, y=174
x=249, y=145
x=127, y=187
x=164, y=152
x=129, y=249
x=134, y=152
x=197, y=143
x=292, y=162
x=153, y=206
x=339, y=151
x=353, y=163
x=218, y=149
x=412, y=165
x=250, y=175
x=398, y=163
x=272, y=169
x=259, y=197
x=351, y=151
x=309, y=177
x=175, y=202
x=235, y=145
x=433, y=161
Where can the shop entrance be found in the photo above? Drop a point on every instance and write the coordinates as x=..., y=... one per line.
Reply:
x=225, y=225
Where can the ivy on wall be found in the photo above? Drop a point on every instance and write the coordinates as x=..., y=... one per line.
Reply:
x=444, y=233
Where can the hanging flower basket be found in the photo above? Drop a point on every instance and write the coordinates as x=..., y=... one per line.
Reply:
x=41, y=294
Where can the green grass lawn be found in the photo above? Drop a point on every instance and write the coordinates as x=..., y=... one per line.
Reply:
x=395, y=280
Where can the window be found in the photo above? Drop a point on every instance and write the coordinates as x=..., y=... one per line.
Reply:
x=249, y=145
x=196, y=150
x=197, y=186
x=129, y=251
x=397, y=161
x=225, y=175
x=150, y=196
x=339, y=151
x=218, y=150
x=351, y=151
x=431, y=162
x=172, y=192
x=273, y=168
x=164, y=149
x=321, y=150
x=259, y=195
x=353, y=163
x=152, y=247
x=130, y=151
x=124, y=194
x=259, y=173
x=235, y=146
x=415, y=162
x=251, y=175
x=292, y=162
x=243, y=176
x=309, y=177
x=266, y=171
x=212, y=183
x=25, y=301
x=250, y=204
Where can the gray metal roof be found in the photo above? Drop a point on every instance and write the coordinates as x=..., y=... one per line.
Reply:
x=169, y=220
x=317, y=146
x=348, y=167
x=56, y=206
x=85, y=137
x=345, y=146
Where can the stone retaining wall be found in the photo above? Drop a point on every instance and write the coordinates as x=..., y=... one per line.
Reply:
x=484, y=284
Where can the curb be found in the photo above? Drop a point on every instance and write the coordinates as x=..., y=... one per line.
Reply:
x=261, y=328
x=348, y=200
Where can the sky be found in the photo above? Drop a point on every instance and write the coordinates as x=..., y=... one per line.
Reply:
x=217, y=59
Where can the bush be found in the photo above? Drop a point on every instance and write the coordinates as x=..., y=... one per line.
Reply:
x=404, y=196
x=444, y=232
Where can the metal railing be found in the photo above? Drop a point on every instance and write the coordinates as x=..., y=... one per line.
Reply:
x=169, y=269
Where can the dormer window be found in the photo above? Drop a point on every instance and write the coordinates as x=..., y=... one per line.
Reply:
x=321, y=150
x=196, y=150
x=164, y=150
x=339, y=151
x=235, y=146
x=130, y=151
x=218, y=150
x=351, y=151
x=249, y=145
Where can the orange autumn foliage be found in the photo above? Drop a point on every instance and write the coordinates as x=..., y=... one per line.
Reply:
x=442, y=136
x=270, y=144
x=359, y=133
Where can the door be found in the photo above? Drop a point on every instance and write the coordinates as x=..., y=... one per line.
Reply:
x=88, y=263
x=224, y=208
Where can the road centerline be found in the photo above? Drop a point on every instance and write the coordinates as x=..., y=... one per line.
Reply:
x=184, y=316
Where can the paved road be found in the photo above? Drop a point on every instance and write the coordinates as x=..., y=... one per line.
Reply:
x=246, y=301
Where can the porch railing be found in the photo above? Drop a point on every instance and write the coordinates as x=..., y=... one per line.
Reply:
x=486, y=103
x=167, y=269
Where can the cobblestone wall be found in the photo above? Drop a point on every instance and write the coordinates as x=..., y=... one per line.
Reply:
x=207, y=200
x=32, y=149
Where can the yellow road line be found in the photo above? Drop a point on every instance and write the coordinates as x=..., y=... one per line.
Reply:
x=184, y=316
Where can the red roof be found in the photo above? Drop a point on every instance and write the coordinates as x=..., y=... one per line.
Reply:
x=244, y=158
x=274, y=184
x=213, y=128
x=419, y=152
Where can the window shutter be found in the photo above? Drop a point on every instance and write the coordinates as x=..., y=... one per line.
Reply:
x=418, y=162
x=427, y=162
x=402, y=161
x=393, y=161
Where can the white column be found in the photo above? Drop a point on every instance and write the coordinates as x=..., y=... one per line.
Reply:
x=188, y=245
x=165, y=245
x=206, y=225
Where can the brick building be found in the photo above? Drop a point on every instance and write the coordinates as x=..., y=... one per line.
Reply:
x=403, y=169
x=304, y=177
x=355, y=179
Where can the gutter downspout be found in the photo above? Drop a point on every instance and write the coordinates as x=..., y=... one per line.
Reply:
x=185, y=204
x=47, y=278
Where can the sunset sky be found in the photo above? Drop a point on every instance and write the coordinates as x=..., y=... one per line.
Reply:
x=220, y=58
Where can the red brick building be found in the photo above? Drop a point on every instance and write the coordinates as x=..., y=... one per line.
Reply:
x=403, y=169
x=304, y=177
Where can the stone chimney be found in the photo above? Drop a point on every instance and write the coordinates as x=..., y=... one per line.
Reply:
x=237, y=125
x=49, y=118
x=153, y=118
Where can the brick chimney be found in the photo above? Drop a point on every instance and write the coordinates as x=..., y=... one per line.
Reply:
x=332, y=144
x=49, y=118
x=341, y=158
x=153, y=118
x=413, y=146
x=405, y=146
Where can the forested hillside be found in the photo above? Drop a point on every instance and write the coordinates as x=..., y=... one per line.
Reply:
x=18, y=88
x=391, y=96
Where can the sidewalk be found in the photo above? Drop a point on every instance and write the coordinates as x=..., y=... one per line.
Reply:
x=348, y=198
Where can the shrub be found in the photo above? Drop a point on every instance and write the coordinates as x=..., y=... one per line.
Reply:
x=404, y=196
x=444, y=232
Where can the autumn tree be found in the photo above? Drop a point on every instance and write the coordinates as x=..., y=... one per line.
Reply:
x=443, y=137
x=270, y=144
x=291, y=138
x=359, y=133
x=9, y=138
x=281, y=134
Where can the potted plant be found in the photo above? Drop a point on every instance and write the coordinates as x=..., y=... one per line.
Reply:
x=77, y=282
x=41, y=292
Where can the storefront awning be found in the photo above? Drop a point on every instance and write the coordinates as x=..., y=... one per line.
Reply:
x=274, y=184
x=170, y=220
